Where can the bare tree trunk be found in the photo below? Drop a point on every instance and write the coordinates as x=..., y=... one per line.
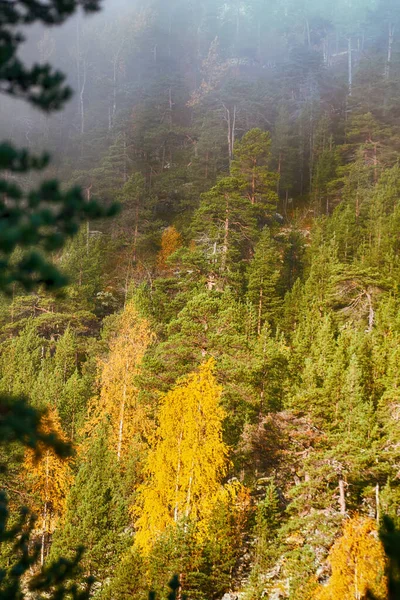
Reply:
x=43, y=534
x=230, y=119
x=390, y=50
x=226, y=237
x=260, y=307
x=115, y=80
x=189, y=494
x=308, y=33
x=342, y=496
x=88, y=196
x=122, y=417
x=170, y=104
x=81, y=98
x=233, y=130
x=350, y=65
x=377, y=502
x=253, y=186
x=78, y=57
x=371, y=313
x=136, y=230
x=178, y=470
x=45, y=507
x=125, y=173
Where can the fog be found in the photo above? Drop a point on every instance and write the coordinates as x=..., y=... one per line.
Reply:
x=177, y=55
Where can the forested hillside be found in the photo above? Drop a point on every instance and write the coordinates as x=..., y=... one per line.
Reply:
x=225, y=358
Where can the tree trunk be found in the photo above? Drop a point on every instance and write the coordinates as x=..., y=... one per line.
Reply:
x=390, y=50
x=226, y=237
x=308, y=33
x=189, y=494
x=45, y=508
x=135, y=232
x=253, y=186
x=178, y=470
x=350, y=65
x=88, y=197
x=43, y=534
x=260, y=307
x=122, y=417
x=230, y=118
x=170, y=105
x=342, y=496
x=115, y=81
x=233, y=130
x=371, y=313
x=81, y=98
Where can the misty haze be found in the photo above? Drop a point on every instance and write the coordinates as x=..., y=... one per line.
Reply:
x=200, y=299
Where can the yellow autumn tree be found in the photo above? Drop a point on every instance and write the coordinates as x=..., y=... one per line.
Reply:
x=171, y=241
x=49, y=478
x=188, y=457
x=118, y=398
x=358, y=564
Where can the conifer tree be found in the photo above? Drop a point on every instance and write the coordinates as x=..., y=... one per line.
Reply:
x=225, y=227
x=20, y=362
x=263, y=278
x=82, y=261
x=132, y=198
x=96, y=513
x=252, y=155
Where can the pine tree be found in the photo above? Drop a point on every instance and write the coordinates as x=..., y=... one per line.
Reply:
x=267, y=520
x=96, y=512
x=132, y=198
x=187, y=460
x=130, y=579
x=21, y=361
x=82, y=261
x=252, y=155
x=215, y=325
x=224, y=227
x=263, y=278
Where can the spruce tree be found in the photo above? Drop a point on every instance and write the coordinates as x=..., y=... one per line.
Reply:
x=263, y=281
x=96, y=513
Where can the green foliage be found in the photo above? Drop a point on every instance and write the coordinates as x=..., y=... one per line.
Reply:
x=268, y=139
x=95, y=516
x=263, y=281
x=57, y=580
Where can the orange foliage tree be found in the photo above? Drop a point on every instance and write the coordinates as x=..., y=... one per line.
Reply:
x=118, y=398
x=358, y=564
x=49, y=476
x=171, y=241
x=187, y=460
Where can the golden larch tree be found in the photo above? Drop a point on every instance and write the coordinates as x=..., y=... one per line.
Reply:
x=118, y=397
x=358, y=564
x=171, y=241
x=188, y=457
x=49, y=478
